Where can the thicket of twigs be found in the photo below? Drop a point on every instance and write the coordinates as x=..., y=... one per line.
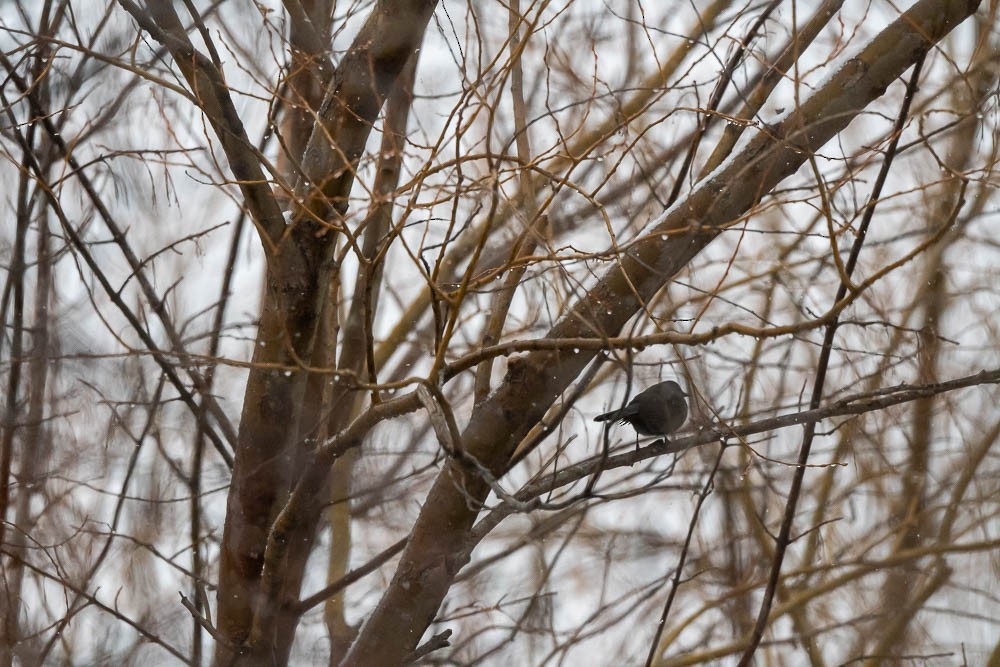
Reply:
x=308, y=306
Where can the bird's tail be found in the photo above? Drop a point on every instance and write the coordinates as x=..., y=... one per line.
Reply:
x=614, y=415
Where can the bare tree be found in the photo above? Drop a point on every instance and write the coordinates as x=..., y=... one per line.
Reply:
x=368, y=270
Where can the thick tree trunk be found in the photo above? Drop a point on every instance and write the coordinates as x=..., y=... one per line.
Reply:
x=280, y=421
x=271, y=443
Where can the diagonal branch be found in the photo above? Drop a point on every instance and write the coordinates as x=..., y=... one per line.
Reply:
x=208, y=84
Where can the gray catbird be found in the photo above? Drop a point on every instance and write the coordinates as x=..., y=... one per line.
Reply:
x=659, y=410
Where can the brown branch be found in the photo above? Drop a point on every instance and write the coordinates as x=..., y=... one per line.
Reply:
x=725, y=78
x=799, y=41
x=364, y=78
x=857, y=404
x=647, y=92
x=201, y=620
x=92, y=599
x=213, y=98
x=354, y=575
x=785, y=532
x=675, y=581
x=113, y=294
x=435, y=643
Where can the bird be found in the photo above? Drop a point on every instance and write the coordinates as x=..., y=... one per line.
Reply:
x=659, y=410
